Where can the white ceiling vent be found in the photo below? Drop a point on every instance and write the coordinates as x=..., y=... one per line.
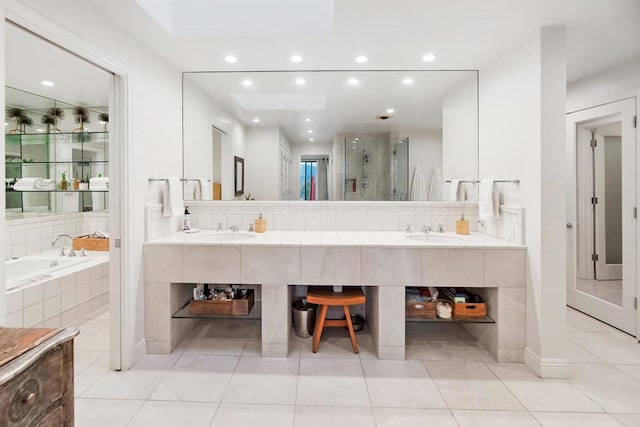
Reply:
x=241, y=18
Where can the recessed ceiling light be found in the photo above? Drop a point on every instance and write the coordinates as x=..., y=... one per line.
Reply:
x=308, y=119
x=247, y=82
x=296, y=58
x=407, y=81
x=428, y=57
x=361, y=59
x=231, y=59
x=353, y=148
x=390, y=111
x=47, y=83
x=309, y=131
x=300, y=81
x=356, y=139
x=39, y=130
x=312, y=139
x=354, y=142
x=256, y=120
x=353, y=81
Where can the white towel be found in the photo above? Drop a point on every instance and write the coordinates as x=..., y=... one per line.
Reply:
x=487, y=199
x=435, y=185
x=172, y=198
x=99, y=183
x=206, y=189
x=191, y=190
x=28, y=183
x=455, y=190
x=418, y=186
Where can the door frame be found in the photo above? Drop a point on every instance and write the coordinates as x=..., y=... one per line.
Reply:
x=624, y=317
x=122, y=346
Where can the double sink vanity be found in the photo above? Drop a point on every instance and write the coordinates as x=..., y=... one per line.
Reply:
x=382, y=262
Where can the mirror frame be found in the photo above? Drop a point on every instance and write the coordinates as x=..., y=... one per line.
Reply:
x=238, y=162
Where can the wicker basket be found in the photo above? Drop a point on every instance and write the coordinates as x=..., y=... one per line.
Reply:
x=91, y=243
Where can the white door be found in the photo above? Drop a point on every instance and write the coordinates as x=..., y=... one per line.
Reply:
x=602, y=231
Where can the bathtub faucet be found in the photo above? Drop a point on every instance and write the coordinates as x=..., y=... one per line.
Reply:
x=53, y=244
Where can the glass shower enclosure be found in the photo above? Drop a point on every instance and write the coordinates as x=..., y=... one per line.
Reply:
x=376, y=167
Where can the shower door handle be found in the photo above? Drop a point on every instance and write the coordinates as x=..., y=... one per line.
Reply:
x=569, y=225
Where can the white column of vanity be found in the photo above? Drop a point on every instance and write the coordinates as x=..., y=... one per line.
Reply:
x=383, y=262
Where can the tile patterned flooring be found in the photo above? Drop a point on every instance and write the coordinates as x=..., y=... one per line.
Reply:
x=217, y=379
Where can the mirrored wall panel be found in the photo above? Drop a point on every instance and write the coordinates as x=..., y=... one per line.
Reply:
x=331, y=135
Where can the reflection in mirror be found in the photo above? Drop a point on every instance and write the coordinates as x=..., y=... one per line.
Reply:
x=56, y=136
x=333, y=135
x=238, y=168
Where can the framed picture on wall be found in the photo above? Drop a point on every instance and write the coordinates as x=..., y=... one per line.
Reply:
x=238, y=175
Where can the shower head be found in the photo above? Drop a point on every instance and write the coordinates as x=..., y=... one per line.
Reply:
x=365, y=156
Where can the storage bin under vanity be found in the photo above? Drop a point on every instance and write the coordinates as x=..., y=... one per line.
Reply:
x=224, y=307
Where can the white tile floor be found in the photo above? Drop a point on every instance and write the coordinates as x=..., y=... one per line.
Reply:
x=217, y=379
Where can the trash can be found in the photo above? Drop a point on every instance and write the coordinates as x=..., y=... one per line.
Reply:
x=304, y=318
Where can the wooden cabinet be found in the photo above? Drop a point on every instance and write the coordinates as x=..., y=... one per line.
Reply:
x=36, y=377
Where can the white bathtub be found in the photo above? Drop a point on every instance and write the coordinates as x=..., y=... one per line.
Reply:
x=46, y=265
x=42, y=295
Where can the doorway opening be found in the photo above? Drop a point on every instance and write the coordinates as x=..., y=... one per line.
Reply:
x=314, y=178
x=602, y=259
x=68, y=148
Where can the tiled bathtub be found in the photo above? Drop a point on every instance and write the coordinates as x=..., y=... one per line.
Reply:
x=39, y=296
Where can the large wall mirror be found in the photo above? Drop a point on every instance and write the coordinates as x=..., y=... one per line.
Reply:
x=333, y=135
x=56, y=130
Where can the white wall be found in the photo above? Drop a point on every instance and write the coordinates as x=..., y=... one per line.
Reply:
x=153, y=105
x=460, y=131
x=262, y=163
x=522, y=98
x=611, y=85
x=425, y=150
x=200, y=114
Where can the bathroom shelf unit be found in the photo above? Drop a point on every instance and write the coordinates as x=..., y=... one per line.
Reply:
x=486, y=319
x=184, y=313
x=48, y=155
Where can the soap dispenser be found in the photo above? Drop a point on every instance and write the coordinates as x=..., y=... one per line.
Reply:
x=186, y=225
x=260, y=225
x=462, y=225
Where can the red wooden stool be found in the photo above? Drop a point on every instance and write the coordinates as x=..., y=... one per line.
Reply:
x=325, y=297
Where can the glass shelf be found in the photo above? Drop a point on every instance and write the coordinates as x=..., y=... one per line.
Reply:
x=58, y=191
x=486, y=319
x=52, y=163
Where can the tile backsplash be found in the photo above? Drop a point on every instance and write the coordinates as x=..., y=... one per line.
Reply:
x=301, y=215
x=509, y=225
x=28, y=236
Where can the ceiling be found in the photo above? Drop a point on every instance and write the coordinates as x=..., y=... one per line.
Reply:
x=463, y=34
x=30, y=60
x=333, y=104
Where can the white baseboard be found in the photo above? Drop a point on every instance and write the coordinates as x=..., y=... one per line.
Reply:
x=547, y=367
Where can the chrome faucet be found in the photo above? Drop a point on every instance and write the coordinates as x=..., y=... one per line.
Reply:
x=426, y=229
x=251, y=228
x=440, y=228
x=219, y=227
x=233, y=228
x=408, y=229
x=58, y=237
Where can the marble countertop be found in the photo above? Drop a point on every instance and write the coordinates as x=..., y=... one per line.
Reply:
x=290, y=238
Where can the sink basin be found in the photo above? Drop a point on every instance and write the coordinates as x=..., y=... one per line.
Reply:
x=226, y=237
x=436, y=238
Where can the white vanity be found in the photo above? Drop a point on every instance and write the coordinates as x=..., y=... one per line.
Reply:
x=383, y=262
